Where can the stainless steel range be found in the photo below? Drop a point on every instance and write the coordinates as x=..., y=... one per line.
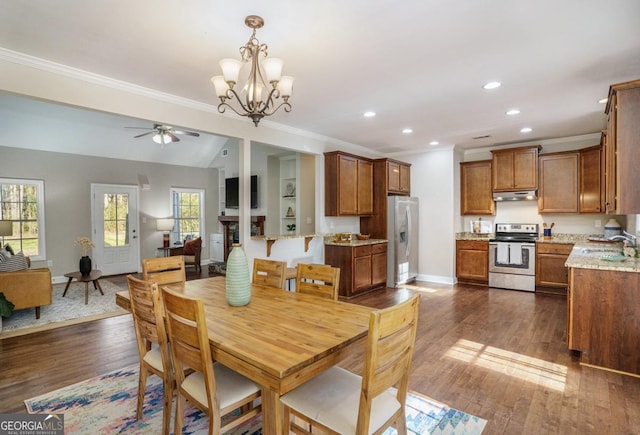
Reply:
x=512, y=257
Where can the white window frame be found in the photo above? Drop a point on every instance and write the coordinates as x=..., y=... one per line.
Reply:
x=175, y=234
x=39, y=185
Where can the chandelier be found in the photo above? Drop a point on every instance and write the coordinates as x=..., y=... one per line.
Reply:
x=264, y=93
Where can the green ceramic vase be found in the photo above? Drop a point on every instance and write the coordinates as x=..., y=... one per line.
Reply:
x=238, y=290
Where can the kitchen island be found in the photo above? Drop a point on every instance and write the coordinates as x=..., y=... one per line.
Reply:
x=603, y=307
x=362, y=263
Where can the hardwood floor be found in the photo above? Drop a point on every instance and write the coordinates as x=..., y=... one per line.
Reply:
x=493, y=353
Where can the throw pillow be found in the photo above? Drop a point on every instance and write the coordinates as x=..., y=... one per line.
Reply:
x=191, y=246
x=9, y=249
x=14, y=263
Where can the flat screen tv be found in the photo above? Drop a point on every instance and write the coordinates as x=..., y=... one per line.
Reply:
x=232, y=192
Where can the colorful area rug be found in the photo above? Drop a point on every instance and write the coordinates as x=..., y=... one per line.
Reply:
x=67, y=310
x=106, y=405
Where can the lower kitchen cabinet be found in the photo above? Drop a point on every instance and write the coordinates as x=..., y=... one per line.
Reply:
x=472, y=261
x=363, y=267
x=551, y=274
x=603, y=308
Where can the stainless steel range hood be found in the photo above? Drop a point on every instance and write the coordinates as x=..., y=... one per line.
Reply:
x=521, y=195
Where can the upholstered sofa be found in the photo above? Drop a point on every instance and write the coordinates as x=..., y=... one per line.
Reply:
x=29, y=288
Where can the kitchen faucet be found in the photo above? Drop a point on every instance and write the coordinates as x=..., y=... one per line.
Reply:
x=633, y=240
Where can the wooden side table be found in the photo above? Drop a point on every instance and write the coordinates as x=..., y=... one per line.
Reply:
x=86, y=279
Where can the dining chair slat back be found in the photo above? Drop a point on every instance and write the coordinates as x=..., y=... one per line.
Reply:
x=187, y=330
x=320, y=280
x=153, y=347
x=387, y=363
x=269, y=273
x=164, y=270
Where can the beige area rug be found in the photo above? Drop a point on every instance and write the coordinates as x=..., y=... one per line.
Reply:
x=68, y=310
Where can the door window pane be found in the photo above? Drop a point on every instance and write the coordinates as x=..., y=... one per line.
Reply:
x=116, y=220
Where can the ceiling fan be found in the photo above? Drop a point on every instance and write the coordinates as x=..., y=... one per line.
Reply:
x=164, y=134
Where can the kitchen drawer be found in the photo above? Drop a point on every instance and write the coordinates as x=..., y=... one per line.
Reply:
x=378, y=248
x=474, y=245
x=554, y=248
x=361, y=251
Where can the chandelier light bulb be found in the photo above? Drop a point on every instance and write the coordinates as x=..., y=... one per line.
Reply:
x=230, y=69
x=273, y=69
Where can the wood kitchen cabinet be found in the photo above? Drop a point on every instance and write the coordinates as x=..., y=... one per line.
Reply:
x=591, y=180
x=348, y=184
x=472, y=261
x=398, y=177
x=551, y=274
x=603, y=318
x=388, y=176
x=362, y=267
x=558, y=182
x=476, y=196
x=622, y=159
x=515, y=168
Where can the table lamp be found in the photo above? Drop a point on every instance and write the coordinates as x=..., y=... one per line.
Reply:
x=165, y=225
x=6, y=229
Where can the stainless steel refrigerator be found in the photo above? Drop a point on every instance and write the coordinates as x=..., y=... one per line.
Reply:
x=402, y=232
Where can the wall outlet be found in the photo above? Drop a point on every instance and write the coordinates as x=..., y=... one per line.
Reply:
x=308, y=219
x=598, y=223
x=49, y=263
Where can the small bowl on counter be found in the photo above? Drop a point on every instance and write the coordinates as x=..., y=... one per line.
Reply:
x=363, y=236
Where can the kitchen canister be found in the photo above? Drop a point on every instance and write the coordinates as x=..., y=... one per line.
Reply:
x=612, y=228
x=238, y=287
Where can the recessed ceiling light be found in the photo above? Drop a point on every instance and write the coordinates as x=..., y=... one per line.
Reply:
x=526, y=130
x=407, y=131
x=434, y=142
x=512, y=112
x=369, y=114
x=492, y=85
x=603, y=100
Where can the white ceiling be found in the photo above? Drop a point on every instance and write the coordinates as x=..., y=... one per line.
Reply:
x=418, y=64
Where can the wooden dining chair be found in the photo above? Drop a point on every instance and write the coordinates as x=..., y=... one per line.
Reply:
x=318, y=280
x=151, y=335
x=212, y=387
x=340, y=402
x=164, y=270
x=269, y=273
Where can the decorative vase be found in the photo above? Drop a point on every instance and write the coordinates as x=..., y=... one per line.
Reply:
x=85, y=265
x=238, y=287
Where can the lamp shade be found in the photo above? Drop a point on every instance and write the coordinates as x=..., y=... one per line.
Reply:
x=6, y=228
x=164, y=224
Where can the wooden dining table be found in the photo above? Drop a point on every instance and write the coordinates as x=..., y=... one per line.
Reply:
x=279, y=340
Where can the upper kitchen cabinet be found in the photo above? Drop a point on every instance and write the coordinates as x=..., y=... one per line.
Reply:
x=391, y=177
x=558, y=183
x=515, y=169
x=475, y=188
x=398, y=177
x=622, y=159
x=591, y=179
x=348, y=185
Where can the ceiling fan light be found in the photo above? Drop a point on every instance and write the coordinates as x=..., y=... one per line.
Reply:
x=162, y=138
x=220, y=85
x=230, y=69
x=285, y=86
x=273, y=69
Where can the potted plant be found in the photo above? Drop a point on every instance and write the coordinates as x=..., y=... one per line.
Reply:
x=6, y=308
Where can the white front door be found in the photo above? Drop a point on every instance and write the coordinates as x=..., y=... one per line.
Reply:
x=115, y=228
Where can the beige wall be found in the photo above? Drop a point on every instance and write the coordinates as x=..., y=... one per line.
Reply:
x=67, y=184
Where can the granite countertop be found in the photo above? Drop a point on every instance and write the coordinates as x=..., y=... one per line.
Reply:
x=474, y=236
x=603, y=256
x=331, y=241
x=293, y=235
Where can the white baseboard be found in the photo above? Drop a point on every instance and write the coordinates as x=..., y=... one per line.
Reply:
x=437, y=279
